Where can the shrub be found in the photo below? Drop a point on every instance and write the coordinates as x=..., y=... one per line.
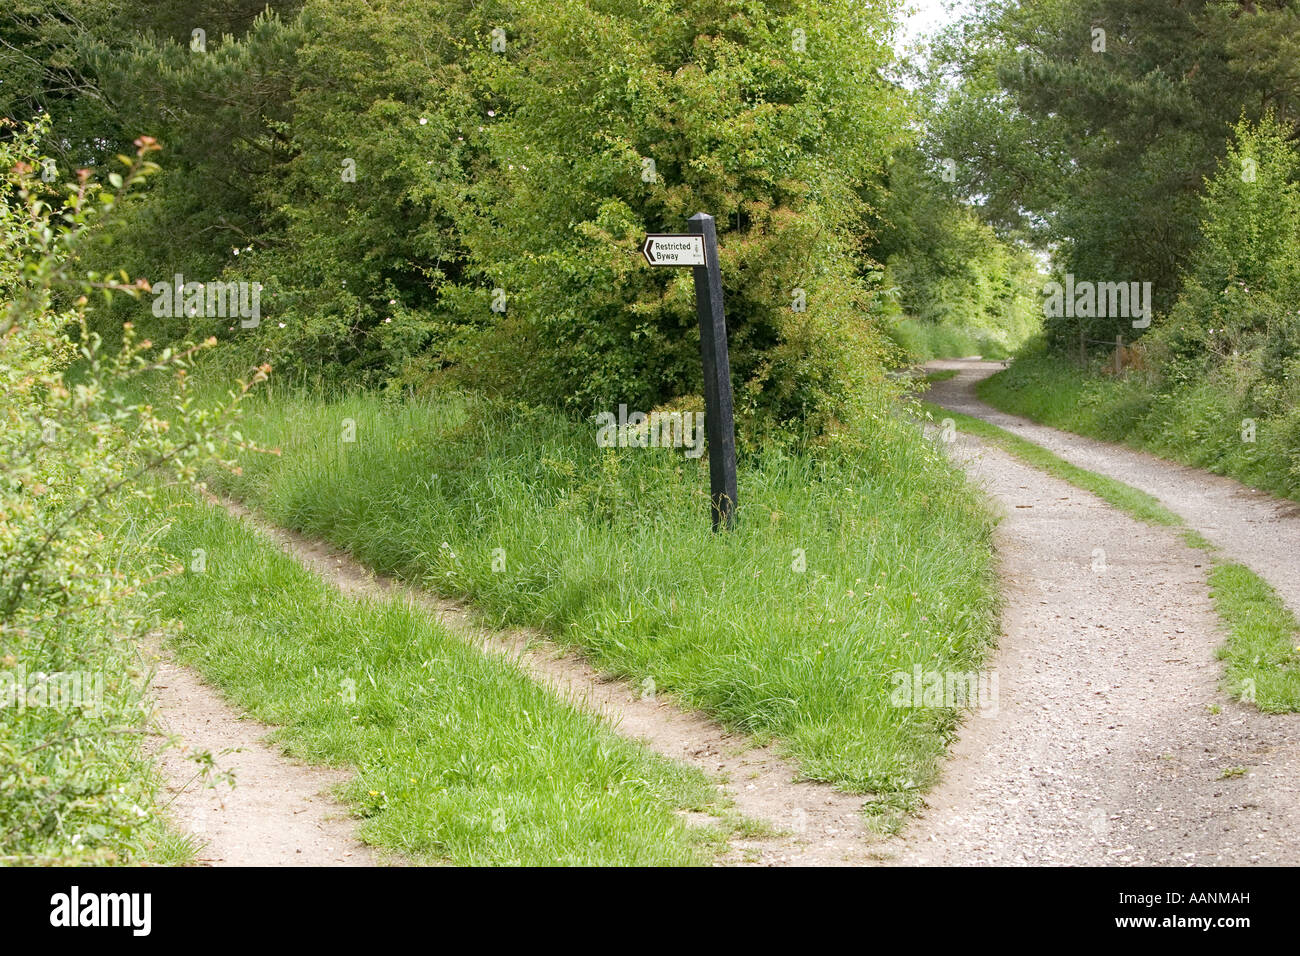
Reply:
x=78, y=456
x=525, y=169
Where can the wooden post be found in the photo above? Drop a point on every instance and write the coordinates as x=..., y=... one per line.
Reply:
x=719, y=413
x=1119, y=347
x=1083, y=345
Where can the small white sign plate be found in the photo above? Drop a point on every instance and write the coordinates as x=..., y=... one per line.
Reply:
x=674, y=250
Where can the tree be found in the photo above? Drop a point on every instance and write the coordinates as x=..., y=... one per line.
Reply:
x=1095, y=124
x=1237, y=304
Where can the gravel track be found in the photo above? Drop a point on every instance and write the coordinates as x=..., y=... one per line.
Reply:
x=1106, y=747
x=1251, y=527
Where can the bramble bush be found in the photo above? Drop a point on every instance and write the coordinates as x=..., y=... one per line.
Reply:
x=80, y=459
x=1232, y=340
x=605, y=122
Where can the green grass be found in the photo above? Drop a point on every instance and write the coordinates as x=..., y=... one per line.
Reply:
x=923, y=340
x=846, y=567
x=458, y=755
x=1262, y=659
x=1263, y=650
x=1200, y=425
x=940, y=376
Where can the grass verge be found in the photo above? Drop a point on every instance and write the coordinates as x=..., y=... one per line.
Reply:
x=1262, y=654
x=1262, y=660
x=458, y=756
x=922, y=340
x=849, y=565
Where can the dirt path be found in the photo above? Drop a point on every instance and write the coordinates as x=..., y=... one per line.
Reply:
x=1107, y=747
x=812, y=824
x=278, y=813
x=1252, y=527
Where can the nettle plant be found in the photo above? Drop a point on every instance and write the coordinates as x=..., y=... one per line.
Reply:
x=83, y=453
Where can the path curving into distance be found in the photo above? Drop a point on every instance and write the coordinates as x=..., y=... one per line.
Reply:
x=1112, y=743
x=1251, y=527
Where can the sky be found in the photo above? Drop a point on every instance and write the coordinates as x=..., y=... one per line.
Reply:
x=929, y=15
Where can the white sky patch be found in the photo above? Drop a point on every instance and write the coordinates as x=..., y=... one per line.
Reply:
x=922, y=18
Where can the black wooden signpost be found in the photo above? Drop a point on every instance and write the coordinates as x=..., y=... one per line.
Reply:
x=699, y=249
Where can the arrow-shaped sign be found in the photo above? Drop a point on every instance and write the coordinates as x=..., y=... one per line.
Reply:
x=673, y=250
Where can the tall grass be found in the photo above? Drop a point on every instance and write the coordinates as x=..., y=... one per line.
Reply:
x=848, y=564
